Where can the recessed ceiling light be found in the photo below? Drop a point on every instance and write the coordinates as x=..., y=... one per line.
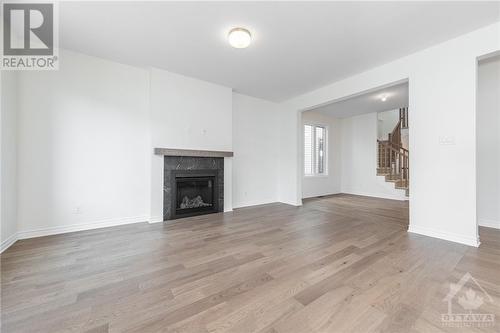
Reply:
x=383, y=98
x=239, y=38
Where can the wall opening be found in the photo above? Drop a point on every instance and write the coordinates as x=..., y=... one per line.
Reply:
x=355, y=128
x=354, y=134
x=488, y=144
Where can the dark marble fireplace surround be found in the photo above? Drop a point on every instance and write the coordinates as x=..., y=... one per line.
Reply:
x=186, y=166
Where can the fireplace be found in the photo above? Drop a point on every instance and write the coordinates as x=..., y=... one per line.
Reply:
x=192, y=185
x=194, y=192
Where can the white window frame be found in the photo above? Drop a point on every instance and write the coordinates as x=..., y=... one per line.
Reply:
x=327, y=130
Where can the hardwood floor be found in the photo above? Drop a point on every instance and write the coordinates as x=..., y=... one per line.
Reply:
x=338, y=264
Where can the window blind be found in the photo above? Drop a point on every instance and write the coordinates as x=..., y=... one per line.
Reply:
x=314, y=150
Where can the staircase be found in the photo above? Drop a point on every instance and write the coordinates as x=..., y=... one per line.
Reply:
x=393, y=159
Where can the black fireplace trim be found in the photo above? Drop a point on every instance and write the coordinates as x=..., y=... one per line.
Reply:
x=175, y=174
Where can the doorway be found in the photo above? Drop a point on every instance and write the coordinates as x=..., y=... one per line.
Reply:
x=358, y=145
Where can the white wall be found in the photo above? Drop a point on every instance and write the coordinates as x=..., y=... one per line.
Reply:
x=387, y=120
x=8, y=158
x=256, y=169
x=83, y=157
x=313, y=186
x=442, y=85
x=83, y=130
x=86, y=139
x=488, y=143
x=87, y=134
x=187, y=113
x=359, y=159
x=290, y=160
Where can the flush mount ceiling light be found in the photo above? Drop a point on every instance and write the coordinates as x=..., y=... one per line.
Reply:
x=239, y=38
x=383, y=98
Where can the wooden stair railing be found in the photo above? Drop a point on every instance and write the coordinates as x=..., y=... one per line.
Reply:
x=394, y=163
x=393, y=159
x=395, y=135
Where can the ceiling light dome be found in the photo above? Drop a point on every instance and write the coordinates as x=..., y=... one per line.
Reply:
x=239, y=38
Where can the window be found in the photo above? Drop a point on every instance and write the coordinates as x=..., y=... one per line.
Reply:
x=314, y=150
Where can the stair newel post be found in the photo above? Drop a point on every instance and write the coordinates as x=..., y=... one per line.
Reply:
x=394, y=153
x=395, y=163
x=392, y=161
x=402, y=158
x=403, y=171
x=406, y=168
x=408, y=171
x=379, y=156
x=386, y=156
x=399, y=165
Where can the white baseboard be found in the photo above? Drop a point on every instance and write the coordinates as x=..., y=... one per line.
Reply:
x=80, y=227
x=470, y=241
x=254, y=203
x=155, y=219
x=489, y=223
x=8, y=242
x=296, y=203
x=378, y=195
x=320, y=195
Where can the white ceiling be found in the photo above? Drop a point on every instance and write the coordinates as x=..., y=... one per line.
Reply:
x=397, y=97
x=298, y=46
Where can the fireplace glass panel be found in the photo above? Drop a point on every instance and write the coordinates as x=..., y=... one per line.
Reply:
x=194, y=193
